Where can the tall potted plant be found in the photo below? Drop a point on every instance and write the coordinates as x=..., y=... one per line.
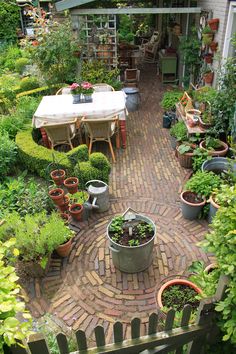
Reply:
x=131, y=237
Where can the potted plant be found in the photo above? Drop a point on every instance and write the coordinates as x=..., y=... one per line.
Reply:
x=206, y=119
x=58, y=176
x=191, y=204
x=76, y=208
x=205, y=278
x=223, y=196
x=178, y=132
x=57, y=196
x=208, y=75
x=82, y=92
x=207, y=35
x=185, y=154
x=71, y=184
x=131, y=237
x=213, y=46
x=215, y=147
x=178, y=292
x=65, y=206
x=170, y=98
x=214, y=24
x=208, y=58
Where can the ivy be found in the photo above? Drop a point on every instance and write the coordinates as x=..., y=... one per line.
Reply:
x=10, y=17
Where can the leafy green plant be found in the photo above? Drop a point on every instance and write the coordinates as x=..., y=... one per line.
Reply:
x=176, y=296
x=143, y=228
x=204, y=94
x=179, y=131
x=8, y=154
x=212, y=143
x=97, y=72
x=185, y=147
x=203, y=183
x=226, y=195
x=125, y=30
x=116, y=225
x=79, y=197
x=29, y=83
x=24, y=196
x=207, y=30
x=11, y=329
x=200, y=156
x=170, y=98
x=133, y=243
x=207, y=282
x=36, y=235
x=20, y=64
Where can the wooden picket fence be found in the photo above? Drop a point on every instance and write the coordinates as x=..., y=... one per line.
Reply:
x=168, y=341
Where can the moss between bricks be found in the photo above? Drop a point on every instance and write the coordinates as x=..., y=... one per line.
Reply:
x=76, y=162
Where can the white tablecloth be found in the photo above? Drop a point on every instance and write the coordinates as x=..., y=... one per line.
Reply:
x=60, y=108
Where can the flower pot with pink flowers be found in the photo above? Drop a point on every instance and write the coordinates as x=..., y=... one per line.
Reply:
x=82, y=92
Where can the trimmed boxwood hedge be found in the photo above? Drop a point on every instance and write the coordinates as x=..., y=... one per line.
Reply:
x=76, y=162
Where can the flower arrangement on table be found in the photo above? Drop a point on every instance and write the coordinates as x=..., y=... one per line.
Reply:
x=84, y=89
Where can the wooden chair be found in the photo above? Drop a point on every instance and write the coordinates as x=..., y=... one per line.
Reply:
x=61, y=133
x=103, y=87
x=131, y=77
x=150, y=52
x=102, y=130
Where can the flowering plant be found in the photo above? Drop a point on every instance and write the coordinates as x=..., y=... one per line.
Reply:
x=84, y=87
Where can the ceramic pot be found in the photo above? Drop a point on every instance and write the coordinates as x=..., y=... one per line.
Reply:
x=58, y=176
x=190, y=211
x=77, y=98
x=213, y=46
x=175, y=282
x=57, y=196
x=65, y=218
x=213, y=208
x=76, y=211
x=64, y=250
x=222, y=152
x=71, y=184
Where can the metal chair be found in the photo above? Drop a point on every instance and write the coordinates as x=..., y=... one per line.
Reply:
x=102, y=129
x=61, y=133
x=102, y=87
x=131, y=77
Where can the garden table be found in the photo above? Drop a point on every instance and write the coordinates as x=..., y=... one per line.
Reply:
x=60, y=109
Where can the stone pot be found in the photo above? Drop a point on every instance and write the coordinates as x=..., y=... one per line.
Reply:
x=214, y=153
x=132, y=259
x=57, y=196
x=175, y=282
x=64, y=249
x=76, y=211
x=190, y=211
x=58, y=176
x=71, y=184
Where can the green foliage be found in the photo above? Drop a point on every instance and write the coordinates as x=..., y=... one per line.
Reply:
x=207, y=30
x=10, y=19
x=85, y=172
x=29, y=83
x=24, y=196
x=100, y=161
x=36, y=235
x=79, y=197
x=125, y=31
x=11, y=329
x=185, y=148
x=203, y=183
x=8, y=57
x=9, y=86
x=222, y=242
x=20, y=64
x=212, y=143
x=199, y=156
x=80, y=153
x=176, y=296
x=97, y=72
x=226, y=195
x=207, y=282
x=44, y=90
x=54, y=54
x=179, y=131
x=170, y=98
x=116, y=225
x=8, y=154
x=204, y=94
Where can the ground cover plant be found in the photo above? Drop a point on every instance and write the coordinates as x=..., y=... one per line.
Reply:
x=176, y=296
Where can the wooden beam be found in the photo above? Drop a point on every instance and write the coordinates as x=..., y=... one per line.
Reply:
x=68, y=4
x=154, y=10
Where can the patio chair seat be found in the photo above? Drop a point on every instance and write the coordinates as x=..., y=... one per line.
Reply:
x=63, y=133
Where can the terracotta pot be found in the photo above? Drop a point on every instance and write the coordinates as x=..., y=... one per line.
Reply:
x=64, y=250
x=71, y=184
x=208, y=58
x=204, y=125
x=190, y=210
x=65, y=206
x=185, y=160
x=175, y=282
x=65, y=218
x=208, y=77
x=58, y=176
x=57, y=196
x=76, y=211
x=210, y=267
x=215, y=153
x=214, y=24
x=213, y=46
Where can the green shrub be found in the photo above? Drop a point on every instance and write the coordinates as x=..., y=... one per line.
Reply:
x=20, y=64
x=80, y=153
x=44, y=90
x=97, y=72
x=29, y=83
x=8, y=57
x=203, y=183
x=85, y=172
x=10, y=19
x=8, y=154
x=170, y=98
x=100, y=161
x=179, y=131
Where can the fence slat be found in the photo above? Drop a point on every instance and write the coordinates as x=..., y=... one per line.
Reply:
x=16, y=349
x=100, y=336
x=135, y=328
x=152, y=324
x=169, y=320
x=187, y=310
x=81, y=340
x=118, y=332
x=38, y=345
x=62, y=343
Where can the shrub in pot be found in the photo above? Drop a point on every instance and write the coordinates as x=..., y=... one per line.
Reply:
x=215, y=147
x=131, y=238
x=36, y=238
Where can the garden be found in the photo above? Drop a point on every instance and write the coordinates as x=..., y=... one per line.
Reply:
x=86, y=243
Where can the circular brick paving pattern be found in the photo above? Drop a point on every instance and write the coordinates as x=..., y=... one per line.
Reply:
x=86, y=289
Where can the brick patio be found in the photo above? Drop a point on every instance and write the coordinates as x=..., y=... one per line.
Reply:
x=85, y=289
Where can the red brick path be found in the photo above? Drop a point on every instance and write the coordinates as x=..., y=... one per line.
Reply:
x=85, y=289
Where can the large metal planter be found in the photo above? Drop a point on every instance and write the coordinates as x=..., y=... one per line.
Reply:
x=132, y=259
x=219, y=165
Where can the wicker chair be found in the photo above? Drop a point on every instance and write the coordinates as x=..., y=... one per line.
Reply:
x=61, y=133
x=102, y=130
x=63, y=91
x=102, y=87
x=131, y=77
